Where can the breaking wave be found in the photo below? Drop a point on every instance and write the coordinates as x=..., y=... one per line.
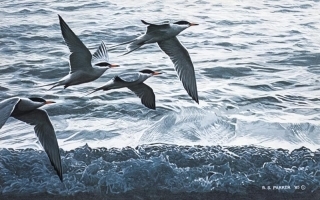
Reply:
x=161, y=169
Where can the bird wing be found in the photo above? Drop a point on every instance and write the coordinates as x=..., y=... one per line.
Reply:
x=128, y=77
x=163, y=26
x=46, y=135
x=145, y=93
x=101, y=55
x=156, y=24
x=80, y=57
x=6, y=108
x=182, y=63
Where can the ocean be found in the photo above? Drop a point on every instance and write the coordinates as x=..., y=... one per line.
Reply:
x=257, y=66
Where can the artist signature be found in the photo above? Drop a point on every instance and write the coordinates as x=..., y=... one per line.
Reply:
x=284, y=187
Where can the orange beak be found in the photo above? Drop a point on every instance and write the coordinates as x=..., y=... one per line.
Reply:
x=49, y=102
x=193, y=24
x=156, y=73
x=114, y=65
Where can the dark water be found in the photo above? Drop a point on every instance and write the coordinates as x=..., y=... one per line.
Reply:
x=256, y=65
x=159, y=169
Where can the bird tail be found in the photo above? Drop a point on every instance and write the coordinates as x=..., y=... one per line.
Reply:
x=55, y=84
x=113, y=47
x=92, y=91
x=133, y=45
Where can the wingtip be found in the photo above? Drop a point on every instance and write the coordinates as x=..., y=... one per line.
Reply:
x=151, y=107
x=58, y=169
x=60, y=18
x=61, y=177
x=62, y=22
x=196, y=100
x=144, y=22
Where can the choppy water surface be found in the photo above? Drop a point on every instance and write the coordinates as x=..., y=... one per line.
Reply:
x=257, y=65
x=160, y=171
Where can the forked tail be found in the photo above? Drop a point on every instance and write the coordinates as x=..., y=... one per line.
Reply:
x=113, y=47
x=54, y=85
x=133, y=45
x=92, y=92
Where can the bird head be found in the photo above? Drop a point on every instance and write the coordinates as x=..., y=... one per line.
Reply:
x=185, y=24
x=148, y=71
x=106, y=64
x=40, y=101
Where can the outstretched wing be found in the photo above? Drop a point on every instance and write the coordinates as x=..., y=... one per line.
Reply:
x=6, y=108
x=80, y=57
x=46, y=135
x=128, y=77
x=182, y=63
x=156, y=24
x=163, y=26
x=145, y=93
x=101, y=55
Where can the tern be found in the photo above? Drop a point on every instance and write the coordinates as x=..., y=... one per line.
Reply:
x=134, y=82
x=81, y=60
x=165, y=35
x=27, y=110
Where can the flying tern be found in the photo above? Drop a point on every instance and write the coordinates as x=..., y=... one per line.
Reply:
x=134, y=81
x=81, y=60
x=165, y=35
x=27, y=110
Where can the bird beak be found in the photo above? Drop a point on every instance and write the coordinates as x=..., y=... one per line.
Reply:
x=193, y=24
x=156, y=73
x=49, y=102
x=114, y=65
